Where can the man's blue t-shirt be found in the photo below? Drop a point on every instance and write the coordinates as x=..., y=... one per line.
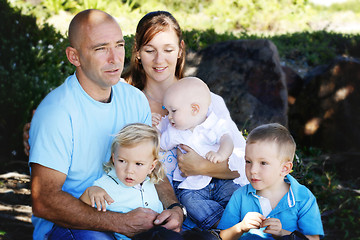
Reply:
x=72, y=133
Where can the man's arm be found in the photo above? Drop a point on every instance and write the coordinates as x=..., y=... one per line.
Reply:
x=51, y=203
x=192, y=163
x=170, y=218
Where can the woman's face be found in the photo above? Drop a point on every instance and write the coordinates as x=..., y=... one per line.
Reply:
x=160, y=55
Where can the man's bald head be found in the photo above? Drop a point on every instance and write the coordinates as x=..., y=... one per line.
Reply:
x=83, y=20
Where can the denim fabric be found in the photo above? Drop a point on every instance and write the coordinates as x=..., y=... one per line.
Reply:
x=60, y=233
x=206, y=206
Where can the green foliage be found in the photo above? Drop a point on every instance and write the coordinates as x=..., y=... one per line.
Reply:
x=32, y=62
x=314, y=47
x=339, y=201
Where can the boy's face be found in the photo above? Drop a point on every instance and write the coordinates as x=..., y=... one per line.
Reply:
x=263, y=168
x=132, y=164
x=182, y=115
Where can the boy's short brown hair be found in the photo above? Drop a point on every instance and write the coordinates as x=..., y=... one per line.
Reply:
x=278, y=134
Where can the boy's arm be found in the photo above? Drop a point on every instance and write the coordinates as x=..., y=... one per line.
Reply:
x=250, y=221
x=313, y=237
x=232, y=233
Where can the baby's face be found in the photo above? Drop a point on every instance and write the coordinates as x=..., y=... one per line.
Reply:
x=181, y=115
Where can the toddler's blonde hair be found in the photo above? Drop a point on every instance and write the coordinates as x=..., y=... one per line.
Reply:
x=133, y=134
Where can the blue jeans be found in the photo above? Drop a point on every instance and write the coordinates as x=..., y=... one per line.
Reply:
x=206, y=206
x=60, y=233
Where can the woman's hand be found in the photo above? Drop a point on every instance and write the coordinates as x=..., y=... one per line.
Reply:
x=26, y=130
x=191, y=163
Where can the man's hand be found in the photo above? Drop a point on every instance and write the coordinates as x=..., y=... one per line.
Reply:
x=171, y=219
x=137, y=221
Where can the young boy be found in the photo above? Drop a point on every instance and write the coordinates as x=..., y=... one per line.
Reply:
x=274, y=204
x=191, y=122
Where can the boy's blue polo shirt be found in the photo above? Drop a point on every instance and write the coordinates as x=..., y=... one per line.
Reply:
x=297, y=210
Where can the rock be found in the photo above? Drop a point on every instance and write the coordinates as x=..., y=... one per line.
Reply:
x=248, y=75
x=294, y=84
x=326, y=113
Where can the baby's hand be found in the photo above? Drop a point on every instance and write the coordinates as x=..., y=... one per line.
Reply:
x=273, y=225
x=155, y=119
x=98, y=196
x=252, y=220
x=214, y=157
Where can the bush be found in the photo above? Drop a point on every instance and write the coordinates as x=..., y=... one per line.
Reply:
x=32, y=62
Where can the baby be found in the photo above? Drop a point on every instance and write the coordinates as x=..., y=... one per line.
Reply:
x=191, y=122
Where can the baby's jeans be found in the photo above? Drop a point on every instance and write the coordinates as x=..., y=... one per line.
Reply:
x=206, y=206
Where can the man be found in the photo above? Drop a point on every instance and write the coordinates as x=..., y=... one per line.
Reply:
x=71, y=133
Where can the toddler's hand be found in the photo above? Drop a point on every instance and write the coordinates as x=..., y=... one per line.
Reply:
x=273, y=225
x=98, y=196
x=252, y=220
x=155, y=119
x=214, y=157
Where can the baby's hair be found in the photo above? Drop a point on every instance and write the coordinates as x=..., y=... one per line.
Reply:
x=278, y=134
x=136, y=133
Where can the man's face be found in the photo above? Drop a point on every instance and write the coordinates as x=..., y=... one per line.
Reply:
x=101, y=54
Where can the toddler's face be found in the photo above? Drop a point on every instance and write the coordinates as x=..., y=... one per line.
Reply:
x=263, y=168
x=134, y=163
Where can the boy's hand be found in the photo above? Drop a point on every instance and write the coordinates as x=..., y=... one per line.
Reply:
x=155, y=119
x=214, y=157
x=273, y=225
x=252, y=220
x=98, y=196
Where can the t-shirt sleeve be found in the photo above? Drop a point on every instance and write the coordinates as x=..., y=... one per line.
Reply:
x=51, y=140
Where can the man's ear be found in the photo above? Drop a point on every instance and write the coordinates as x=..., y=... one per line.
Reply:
x=195, y=108
x=73, y=56
x=286, y=168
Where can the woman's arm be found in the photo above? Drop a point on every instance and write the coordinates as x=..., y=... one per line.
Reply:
x=191, y=163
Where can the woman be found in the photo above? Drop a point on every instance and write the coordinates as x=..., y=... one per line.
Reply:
x=157, y=61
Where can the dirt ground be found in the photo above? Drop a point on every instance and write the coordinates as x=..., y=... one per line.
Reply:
x=15, y=203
